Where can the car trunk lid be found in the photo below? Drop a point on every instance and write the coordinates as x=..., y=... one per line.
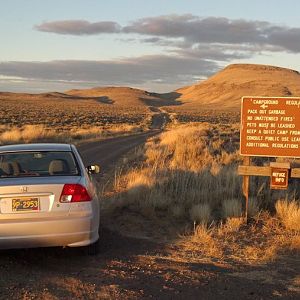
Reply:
x=24, y=198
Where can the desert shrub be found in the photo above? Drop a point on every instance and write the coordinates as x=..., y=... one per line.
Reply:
x=289, y=213
x=27, y=133
x=253, y=207
x=262, y=241
x=177, y=211
x=39, y=132
x=86, y=132
x=200, y=213
x=203, y=240
x=19, y=110
x=230, y=225
x=192, y=148
x=11, y=136
x=188, y=171
x=232, y=208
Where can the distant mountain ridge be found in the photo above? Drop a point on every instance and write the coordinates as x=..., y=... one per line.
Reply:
x=223, y=90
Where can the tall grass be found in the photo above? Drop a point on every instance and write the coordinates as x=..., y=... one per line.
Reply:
x=26, y=133
x=232, y=208
x=191, y=173
x=188, y=176
x=234, y=241
x=37, y=133
x=289, y=213
x=188, y=171
x=201, y=213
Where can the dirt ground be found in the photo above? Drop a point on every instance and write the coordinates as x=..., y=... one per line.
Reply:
x=135, y=268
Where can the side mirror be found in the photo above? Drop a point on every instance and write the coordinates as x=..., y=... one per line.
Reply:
x=93, y=169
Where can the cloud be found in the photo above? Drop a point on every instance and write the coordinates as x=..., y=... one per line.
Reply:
x=190, y=30
x=79, y=27
x=287, y=38
x=193, y=47
x=138, y=70
x=194, y=30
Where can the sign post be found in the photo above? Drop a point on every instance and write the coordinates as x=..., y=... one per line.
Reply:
x=279, y=179
x=270, y=127
x=246, y=179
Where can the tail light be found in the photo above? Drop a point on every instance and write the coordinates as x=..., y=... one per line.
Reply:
x=74, y=193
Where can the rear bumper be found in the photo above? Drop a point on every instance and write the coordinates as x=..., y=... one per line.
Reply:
x=73, y=232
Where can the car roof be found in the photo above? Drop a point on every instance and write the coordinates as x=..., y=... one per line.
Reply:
x=36, y=147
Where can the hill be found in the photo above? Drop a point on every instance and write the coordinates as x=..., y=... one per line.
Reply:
x=115, y=96
x=225, y=89
x=222, y=91
x=122, y=96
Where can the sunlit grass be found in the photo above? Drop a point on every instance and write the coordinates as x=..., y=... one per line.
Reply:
x=289, y=213
x=188, y=175
x=40, y=133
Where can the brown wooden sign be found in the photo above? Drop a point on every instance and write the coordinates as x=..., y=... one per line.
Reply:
x=270, y=126
x=279, y=178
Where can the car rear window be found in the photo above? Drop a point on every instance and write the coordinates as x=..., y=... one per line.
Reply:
x=43, y=163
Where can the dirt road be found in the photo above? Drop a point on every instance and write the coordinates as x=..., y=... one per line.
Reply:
x=131, y=268
x=106, y=153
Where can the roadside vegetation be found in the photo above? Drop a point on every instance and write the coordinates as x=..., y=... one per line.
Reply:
x=187, y=178
x=195, y=113
x=55, y=117
x=42, y=133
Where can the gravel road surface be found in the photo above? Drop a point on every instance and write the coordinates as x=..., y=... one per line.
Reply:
x=106, y=153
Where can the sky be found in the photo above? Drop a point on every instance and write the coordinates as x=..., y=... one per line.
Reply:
x=157, y=45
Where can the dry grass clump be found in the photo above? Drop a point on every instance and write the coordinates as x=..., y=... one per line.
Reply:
x=192, y=148
x=11, y=136
x=195, y=113
x=32, y=132
x=187, y=172
x=190, y=174
x=201, y=213
x=232, y=208
x=138, y=182
x=253, y=207
x=230, y=225
x=85, y=132
x=289, y=214
x=27, y=133
x=177, y=211
x=40, y=132
x=261, y=241
x=203, y=242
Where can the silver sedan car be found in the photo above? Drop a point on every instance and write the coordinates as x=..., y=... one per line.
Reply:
x=47, y=198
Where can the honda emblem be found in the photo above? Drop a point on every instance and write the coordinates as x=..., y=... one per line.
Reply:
x=24, y=189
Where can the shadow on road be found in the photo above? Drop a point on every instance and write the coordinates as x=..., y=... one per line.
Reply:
x=130, y=268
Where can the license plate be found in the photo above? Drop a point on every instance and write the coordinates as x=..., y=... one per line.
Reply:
x=26, y=204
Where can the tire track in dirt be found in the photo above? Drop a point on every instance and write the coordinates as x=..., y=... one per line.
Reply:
x=107, y=152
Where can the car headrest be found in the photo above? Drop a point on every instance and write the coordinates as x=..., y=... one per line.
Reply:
x=58, y=166
x=16, y=167
x=6, y=168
